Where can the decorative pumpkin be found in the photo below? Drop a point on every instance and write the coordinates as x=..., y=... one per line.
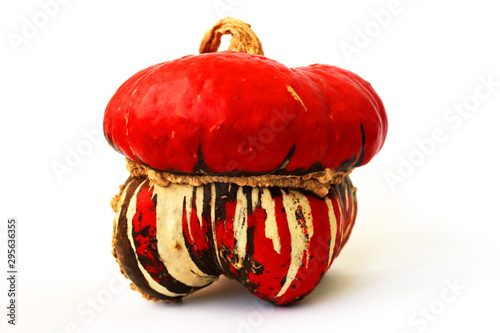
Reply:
x=239, y=166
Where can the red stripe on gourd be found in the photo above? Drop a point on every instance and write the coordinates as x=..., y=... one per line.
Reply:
x=196, y=238
x=305, y=278
x=144, y=233
x=189, y=224
x=273, y=266
x=226, y=242
x=315, y=260
x=198, y=242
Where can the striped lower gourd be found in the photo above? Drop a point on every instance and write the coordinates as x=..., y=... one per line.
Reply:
x=173, y=240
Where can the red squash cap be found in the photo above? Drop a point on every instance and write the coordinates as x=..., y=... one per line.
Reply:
x=232, y=113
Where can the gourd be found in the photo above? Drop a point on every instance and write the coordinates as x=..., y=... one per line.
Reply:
x=239, y=166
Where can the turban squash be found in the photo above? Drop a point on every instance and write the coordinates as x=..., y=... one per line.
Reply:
x=239, y=166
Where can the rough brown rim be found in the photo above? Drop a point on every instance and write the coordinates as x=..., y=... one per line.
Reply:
x=317, y=182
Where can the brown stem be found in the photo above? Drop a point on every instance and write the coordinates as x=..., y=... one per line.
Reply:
x=243, y=38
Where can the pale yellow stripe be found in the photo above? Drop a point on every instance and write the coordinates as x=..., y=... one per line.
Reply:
x=130, y=215
x=299, y=239
x=240, y=225
x=296, y=96
x=169, y=233
x=333, y=227
x=212, y=215
x=199, y=204
x=271, y=229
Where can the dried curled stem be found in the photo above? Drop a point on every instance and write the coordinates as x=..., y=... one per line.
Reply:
x=243, y=38
x=317, y=182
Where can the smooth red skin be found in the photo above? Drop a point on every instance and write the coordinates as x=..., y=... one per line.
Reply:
x=236, y=109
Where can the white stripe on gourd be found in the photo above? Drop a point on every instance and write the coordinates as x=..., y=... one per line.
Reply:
x=188, y=206
x=240, y=227
x=299, y=238
x=129, y=219
x=212, y=216
x=333, y=228
x=199, y=204
x=255, y=198
x=169, y=233
x=271, y=225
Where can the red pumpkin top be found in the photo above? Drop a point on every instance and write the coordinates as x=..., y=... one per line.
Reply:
x=242, y=114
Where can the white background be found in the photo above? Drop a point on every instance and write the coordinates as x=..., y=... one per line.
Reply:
x=436, y=225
